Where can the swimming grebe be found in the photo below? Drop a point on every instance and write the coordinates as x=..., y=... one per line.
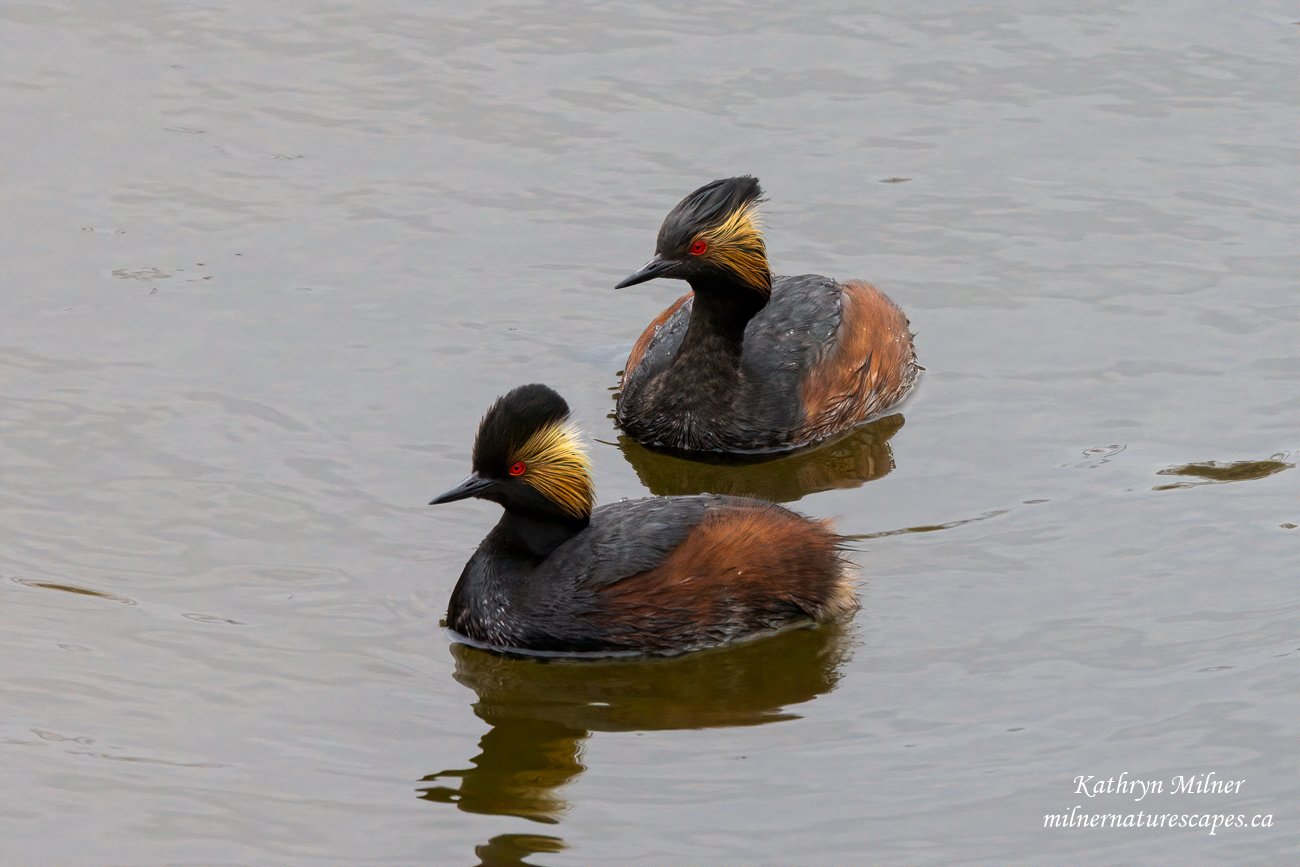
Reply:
x=659, y=575
x=748, y=362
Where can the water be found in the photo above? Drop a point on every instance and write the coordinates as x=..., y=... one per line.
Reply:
x=266, y=265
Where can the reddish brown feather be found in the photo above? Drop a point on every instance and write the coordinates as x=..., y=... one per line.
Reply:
x=871, y=366
x=740, y=571
x=643, y=342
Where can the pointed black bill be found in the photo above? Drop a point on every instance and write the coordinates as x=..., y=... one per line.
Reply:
x=656, y=267
x=471, y=487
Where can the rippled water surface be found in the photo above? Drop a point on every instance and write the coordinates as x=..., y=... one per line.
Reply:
x=266, y=264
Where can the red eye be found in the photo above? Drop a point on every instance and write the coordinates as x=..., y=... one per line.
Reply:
x=698, y=247
x=517, y=468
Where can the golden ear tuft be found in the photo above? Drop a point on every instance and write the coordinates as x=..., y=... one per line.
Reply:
x=558, y=467
x=737, y=244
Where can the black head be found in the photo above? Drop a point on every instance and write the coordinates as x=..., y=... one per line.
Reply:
x=528, y=458
x=715, y=231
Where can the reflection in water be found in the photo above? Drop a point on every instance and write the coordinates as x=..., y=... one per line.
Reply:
x=541, y=710
x=1212, y=472
x=510, y=850
x=853, y=459
x=521, y=762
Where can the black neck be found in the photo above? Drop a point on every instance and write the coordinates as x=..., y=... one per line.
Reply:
x=710, y=351
x=533, y=538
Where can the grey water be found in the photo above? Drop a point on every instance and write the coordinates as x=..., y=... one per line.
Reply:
x=265, y=265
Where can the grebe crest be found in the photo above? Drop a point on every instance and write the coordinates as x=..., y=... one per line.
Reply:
x=714, y=232
x=527, y=436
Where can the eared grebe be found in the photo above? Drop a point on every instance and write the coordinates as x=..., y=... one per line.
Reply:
x=748, y=362
x=658, y=575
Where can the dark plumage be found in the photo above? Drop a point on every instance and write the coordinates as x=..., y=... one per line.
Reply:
x=532, y=407
x=659, y=575
x=749, y=363
x=708, y=206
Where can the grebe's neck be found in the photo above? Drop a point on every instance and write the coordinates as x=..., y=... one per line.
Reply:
x=708, y=360
x=531, y=537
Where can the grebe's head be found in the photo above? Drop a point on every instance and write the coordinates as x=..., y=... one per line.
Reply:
x=529, y=458
x=713, y=232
